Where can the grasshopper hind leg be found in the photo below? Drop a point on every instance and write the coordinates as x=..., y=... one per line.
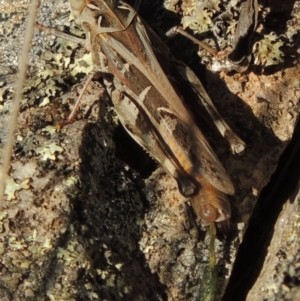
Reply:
x=237, y=145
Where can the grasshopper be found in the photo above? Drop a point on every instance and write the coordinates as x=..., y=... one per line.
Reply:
x=146, y=85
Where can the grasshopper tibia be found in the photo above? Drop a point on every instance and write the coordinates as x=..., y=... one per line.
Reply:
x=55, y=32
x=73, y=113
x=80, y=41
x=179, y=30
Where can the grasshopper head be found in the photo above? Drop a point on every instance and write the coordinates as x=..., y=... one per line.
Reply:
x=211, y=207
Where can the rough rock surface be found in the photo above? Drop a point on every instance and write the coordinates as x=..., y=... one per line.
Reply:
x=80, y=224
x=279, y=278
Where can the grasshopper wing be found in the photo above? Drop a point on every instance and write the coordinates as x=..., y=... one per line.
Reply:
x=137, y=123
x=188, y=143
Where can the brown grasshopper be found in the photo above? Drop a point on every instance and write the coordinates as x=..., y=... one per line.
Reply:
x=145, y=84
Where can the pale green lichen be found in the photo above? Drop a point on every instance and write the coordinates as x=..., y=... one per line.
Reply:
x=2, y=248
x=48, y=152
x=267, y=52
x=2, y=91
x=3, y=215
x=51, y=88
x=48, y=244
x=45, y=101
x=45, y=248
x=66, y=48
x=199, y=15
x=49, y=129
x=12, y=187
x=71, y=255
x=82, y=65
x=234, y=3
x=34, y=235
x=16, y=243
x=171, y=4
x=22, y=263
x=71, y=181
x=47, y=73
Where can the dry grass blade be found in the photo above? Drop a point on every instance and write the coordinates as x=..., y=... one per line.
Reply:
x=18, y=96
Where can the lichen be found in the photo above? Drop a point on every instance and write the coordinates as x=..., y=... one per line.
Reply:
x=12, y=187
x=267, y=52
x=45, y=101
x=48, y=152
x=199, y=15
x=170, y=4
x=82, y=65
x=49, y=129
